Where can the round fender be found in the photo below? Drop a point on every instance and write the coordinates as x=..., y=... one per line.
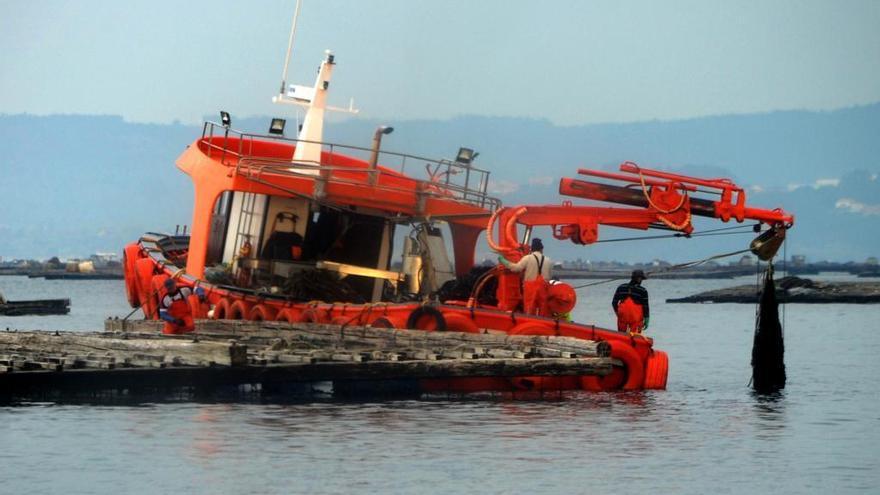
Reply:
x=629, y=377
x=129, y=256
x=388, y=321
x=261, y=312
x=312, y=315
x=457, y=322
x=239, y=310
x=144, y=271
x=426, y=318
x=222, y=309
x=156, y=294
x=287, y=315
x=532, y=328
x=656, y=371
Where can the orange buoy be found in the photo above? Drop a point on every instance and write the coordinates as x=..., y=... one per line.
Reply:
x=561, y=298
x=261, y=312
x=656, y=371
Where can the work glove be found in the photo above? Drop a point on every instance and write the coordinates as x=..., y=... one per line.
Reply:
x=178, y=321
x=503, y=261
x=647, y=320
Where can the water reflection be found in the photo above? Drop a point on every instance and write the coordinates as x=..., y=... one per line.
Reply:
x=769, y=410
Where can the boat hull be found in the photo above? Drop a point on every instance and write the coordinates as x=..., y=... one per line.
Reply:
x=637, y=365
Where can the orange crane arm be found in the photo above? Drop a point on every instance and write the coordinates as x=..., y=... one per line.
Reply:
x=658, y=199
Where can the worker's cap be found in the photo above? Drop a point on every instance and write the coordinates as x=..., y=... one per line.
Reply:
x=639, y=274
x=537, y=245
x=169, y=284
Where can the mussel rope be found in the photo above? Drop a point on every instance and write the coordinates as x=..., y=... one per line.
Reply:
x=670, y=268
x=706, y=233
x=689, y=264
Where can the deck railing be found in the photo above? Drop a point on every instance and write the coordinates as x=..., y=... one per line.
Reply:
x=444, y=178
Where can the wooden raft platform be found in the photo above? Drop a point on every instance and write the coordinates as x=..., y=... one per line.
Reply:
x=35, y=307
x=134, y=356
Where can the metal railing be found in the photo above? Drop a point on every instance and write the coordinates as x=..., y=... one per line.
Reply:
x=445, y=178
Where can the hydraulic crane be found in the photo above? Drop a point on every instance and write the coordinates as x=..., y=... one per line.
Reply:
x=655, y=200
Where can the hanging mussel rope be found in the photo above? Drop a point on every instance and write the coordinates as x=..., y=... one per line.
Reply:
x=768, y=347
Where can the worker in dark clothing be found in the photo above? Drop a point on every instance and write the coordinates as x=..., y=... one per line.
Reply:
x=175, y=309
x=630, y=304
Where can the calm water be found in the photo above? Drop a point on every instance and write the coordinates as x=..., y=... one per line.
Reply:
x=706, y=434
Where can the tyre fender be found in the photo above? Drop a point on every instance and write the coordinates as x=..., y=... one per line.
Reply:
x=156, y=294
x=426, y=318
x=312, y=315
x=144, y=271
x=130, y=255
x=630, y=377
x=261, y=312
x=239, y=310
x=388, y=321
x=221, y=309
x=287, y=315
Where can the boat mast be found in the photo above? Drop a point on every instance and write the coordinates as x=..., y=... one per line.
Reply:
x=314, y=99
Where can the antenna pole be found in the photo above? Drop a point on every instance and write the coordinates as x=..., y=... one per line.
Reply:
x=289, y=47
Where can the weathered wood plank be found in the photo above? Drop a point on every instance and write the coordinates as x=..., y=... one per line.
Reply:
x=321, y=335
x=227, y=354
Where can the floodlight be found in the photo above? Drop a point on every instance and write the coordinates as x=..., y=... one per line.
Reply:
x=466, y=156
x=225, y=118
x=277, y=127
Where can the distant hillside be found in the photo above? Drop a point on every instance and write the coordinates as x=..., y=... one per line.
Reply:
x=73, y=185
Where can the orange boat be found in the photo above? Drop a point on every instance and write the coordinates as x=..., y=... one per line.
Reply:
x=277, y=220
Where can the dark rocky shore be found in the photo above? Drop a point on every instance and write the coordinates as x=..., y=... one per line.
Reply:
x=793, y=290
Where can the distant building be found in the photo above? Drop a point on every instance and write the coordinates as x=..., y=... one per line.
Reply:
x=872, y=261
x=746, y=261
x=798, y=260
x=101, y=260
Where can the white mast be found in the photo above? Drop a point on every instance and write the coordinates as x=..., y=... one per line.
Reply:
x=314, y=99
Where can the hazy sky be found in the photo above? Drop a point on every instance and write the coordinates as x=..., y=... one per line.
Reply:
x=571, y=62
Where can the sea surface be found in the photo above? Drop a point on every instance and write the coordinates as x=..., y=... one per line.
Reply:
x=708, y=433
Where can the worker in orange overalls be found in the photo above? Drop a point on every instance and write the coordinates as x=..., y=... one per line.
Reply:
x=175, y=309
x=630, y=304
x=535, y=268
